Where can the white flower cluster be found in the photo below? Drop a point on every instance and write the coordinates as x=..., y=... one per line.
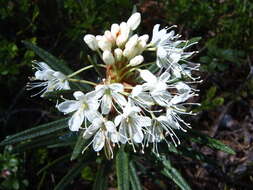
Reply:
x=132, y=105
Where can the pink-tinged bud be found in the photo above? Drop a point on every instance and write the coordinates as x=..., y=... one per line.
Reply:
x=108, y=58
x=115, y=30
x=132, y=41
x=104, y=44
x=91, y=41
x=118, y=54
x=134, y=21
x=123, y=34
x=109, y=36
x=137, y=60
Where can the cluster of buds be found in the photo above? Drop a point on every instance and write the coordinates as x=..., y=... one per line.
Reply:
x=134, y=104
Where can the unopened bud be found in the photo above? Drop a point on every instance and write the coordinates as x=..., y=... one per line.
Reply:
x=99, y=37
x=115, y=30
x=144, y=38
x=91, y=41
x=123, y=36
x=108, y=57
x=104, y=44
x=129, y=53
x=134, y=21
x=137, y=60
x=132, y=41
x=118, y=54
x=109, y=36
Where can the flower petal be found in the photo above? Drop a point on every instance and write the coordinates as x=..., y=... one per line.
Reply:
x=147, y=76
x=68, y=106
x=106, y=104
x=98, y=141
x=76, y=120
x=79, y=95
x=120, y=99
x=117, y=87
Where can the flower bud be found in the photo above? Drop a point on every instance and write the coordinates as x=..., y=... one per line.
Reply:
x=108, y=57
x=118, y=54
x=130, y=52
x=99, y=37
x=109, y=36
x=104, y=44
x=134, y=21
x=144, y=38
x=115, y=30
x=123, y=35
x=132, y=41
x=137, y=60
x=91, y=41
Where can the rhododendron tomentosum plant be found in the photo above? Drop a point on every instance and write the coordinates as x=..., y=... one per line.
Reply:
x=140, y=100
x=131, y=104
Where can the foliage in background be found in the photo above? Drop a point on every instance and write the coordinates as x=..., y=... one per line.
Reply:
x=226, y=28
x=12, y=171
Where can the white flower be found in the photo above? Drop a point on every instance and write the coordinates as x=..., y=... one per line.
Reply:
x=168, y=52
x=134, y=21
x=156, y=86
x=102, y=130
x=84, y=107
x=108, y=93
x=51, y=80
x=138, y=97
x=91, y=41
x=108, y=58
x=131, y=124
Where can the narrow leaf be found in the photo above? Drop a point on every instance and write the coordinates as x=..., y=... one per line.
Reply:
x=101, y=179
x=72, y=173
x=134, y=180
x=201, y=138
x=122, y=169
x=61, y=159
x=51, y=60
x=172, y=173
x=36, y=132
x=78, y=147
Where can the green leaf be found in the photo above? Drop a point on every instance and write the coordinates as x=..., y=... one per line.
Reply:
x=212, y=143
x=134, y=180
x=122, y=169
x=78, y=147
x=211, y=92
x=201, y=138
x=172, y=173
x=43, y=141
x=101, y=179
x=195, y=39
x=187, y=152
x=51, y=60
x=61, y=159
x=36, y=132
x=72, y=173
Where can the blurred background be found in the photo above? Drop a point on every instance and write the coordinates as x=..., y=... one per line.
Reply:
x=58, y=26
